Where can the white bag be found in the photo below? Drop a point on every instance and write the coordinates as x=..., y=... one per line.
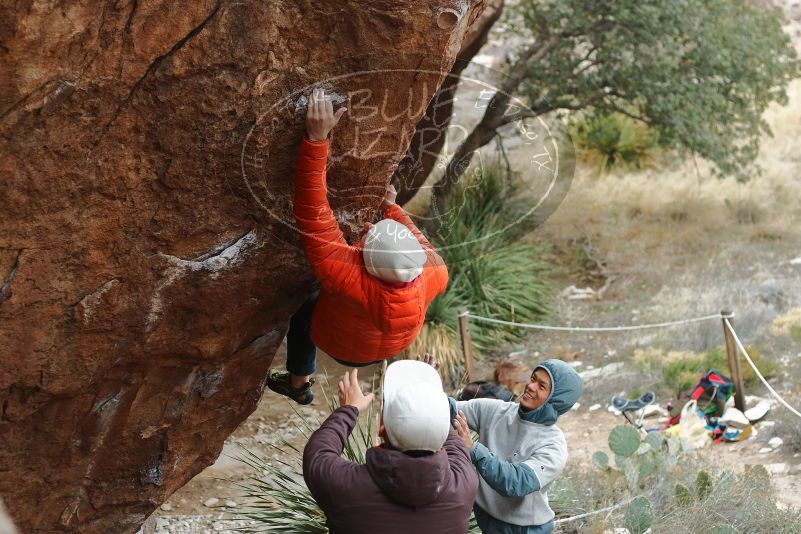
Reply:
x=692, y=427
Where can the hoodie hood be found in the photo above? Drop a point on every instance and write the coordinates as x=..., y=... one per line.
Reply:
x=566, y=389
x=407, y=480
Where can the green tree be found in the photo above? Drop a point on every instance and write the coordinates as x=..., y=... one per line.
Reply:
x=700, y=73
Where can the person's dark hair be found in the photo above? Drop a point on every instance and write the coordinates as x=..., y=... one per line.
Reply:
x=418, y=453
x=481, y=389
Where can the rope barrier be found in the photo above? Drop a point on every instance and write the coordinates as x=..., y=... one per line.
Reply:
x=724, y=317
x=593, y=328
x=756, y=371
x=602, y=510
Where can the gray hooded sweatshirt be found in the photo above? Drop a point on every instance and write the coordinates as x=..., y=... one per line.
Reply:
x=520, y=453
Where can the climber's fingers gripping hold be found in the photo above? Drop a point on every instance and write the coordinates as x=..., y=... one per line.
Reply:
x=320, y=115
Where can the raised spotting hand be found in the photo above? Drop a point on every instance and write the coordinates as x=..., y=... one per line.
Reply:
x=350, y=394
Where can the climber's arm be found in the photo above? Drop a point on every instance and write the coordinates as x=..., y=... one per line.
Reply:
x=436, y=270
x=334, y=262
x=396, y=213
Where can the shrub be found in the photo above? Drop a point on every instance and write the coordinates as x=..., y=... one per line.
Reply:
x=678, y=370
x=610, y=140
x=788, y=324
x=491, y=272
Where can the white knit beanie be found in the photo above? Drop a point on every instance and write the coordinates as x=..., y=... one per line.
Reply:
x=392, y=253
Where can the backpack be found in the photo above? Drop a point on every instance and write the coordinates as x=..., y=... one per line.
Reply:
x=710, y=393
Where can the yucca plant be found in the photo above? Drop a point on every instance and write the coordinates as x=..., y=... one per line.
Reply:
x=439, y=336
x=492, y=271
x=612, y=140
x=279, y=500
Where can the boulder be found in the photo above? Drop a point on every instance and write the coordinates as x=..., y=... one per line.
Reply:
x=148, y=258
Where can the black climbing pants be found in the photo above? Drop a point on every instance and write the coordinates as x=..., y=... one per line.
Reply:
x=301, y=353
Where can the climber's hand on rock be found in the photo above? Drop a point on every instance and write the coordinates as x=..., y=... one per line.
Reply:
x=389, y=197
x=320, y=116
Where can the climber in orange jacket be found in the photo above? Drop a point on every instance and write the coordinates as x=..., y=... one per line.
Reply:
x=373, y=295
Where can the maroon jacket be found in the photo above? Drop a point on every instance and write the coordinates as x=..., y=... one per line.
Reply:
x=393, y=492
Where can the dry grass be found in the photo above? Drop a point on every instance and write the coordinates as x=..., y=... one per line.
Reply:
x=684, y=202
x=679, y=370
x=438, y=339
x=788, y=324
x=744, y=501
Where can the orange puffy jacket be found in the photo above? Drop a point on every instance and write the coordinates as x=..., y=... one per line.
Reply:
x=358, y=318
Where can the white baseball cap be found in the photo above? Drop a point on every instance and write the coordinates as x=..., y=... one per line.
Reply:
x=392, y=252
x=417, y=415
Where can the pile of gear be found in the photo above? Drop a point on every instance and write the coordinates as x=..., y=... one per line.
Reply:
x=707, y=410
x=699, y=413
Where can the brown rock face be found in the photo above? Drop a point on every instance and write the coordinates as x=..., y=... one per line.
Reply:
x=148, y=260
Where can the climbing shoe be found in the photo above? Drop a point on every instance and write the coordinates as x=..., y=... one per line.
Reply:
x=281, y=383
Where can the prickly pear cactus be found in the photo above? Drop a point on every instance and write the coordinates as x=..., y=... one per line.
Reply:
x=703, y=485
x=684, y=497
x=648, y=466
x=656, y=440
x=624, y=440
x=601, y=460
x=631, y=470
x=639, y=516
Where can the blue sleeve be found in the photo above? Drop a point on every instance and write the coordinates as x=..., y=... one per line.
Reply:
x=507, y=478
